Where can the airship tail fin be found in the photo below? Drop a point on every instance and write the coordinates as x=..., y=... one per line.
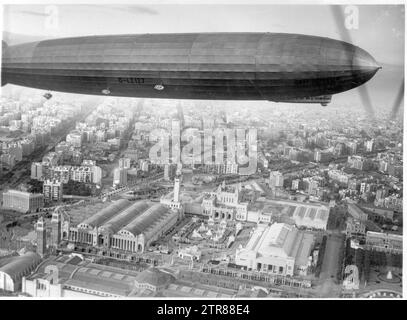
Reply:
x=3, y=49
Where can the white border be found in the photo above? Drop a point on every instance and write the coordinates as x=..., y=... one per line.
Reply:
x=231, y=2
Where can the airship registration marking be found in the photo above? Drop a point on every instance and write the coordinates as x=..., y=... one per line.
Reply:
x=131, y=80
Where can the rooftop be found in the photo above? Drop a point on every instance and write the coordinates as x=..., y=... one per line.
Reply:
x=196, y=290
x=96, y=220
x=281, y=240
x=292, y=209
x=91, y=276
x=142, y=222
x=80, y=214
x=22, y=193
x=15, y=266
x=154, y=277
x=124, y=217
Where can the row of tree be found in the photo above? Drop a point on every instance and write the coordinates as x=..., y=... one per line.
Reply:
x=72, y=187
x=321, y=254
x=365, y=259
x=381, y=259
x=337, y=218
x=76, y=188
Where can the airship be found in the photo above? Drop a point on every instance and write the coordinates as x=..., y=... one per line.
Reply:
x=206, y=66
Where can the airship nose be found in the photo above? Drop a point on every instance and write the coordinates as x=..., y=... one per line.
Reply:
x=363, y=61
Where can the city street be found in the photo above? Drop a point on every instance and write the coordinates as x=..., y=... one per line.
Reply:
x=327, y=284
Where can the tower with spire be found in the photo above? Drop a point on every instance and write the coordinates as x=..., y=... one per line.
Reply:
x=56, y=227
x=177, y=184
x=41, y=230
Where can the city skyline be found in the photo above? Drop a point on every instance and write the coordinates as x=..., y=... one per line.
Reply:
x=385, y=22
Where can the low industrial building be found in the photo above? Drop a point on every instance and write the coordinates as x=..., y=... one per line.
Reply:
x=356, y=212
x=306, y=215
x=279, y=249
x=72, y=277
x=379, y=214
x=387, y=242
x=311, y=216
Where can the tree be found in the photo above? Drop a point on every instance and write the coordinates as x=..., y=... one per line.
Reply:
x=359, y=259
x=366, y=265
x=321, y=254
x=76, y=188
x=35, y=186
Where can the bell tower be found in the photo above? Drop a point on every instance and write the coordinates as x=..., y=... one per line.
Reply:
x=41, y=237
x=56, y=228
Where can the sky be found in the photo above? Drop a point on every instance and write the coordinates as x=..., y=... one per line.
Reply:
x=380, y=28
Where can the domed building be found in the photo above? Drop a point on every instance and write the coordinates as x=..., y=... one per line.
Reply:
x=153, y=279
x=12, y=270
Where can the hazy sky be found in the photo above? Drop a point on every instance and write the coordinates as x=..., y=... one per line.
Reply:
x=380, y=32
x=380, y=29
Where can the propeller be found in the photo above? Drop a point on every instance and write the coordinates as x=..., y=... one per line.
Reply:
x=339, y=18
x=397, y=102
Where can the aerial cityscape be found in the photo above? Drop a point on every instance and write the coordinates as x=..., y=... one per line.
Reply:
x=108, y=195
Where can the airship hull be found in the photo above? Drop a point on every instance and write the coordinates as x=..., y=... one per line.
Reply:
x=216, y=66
